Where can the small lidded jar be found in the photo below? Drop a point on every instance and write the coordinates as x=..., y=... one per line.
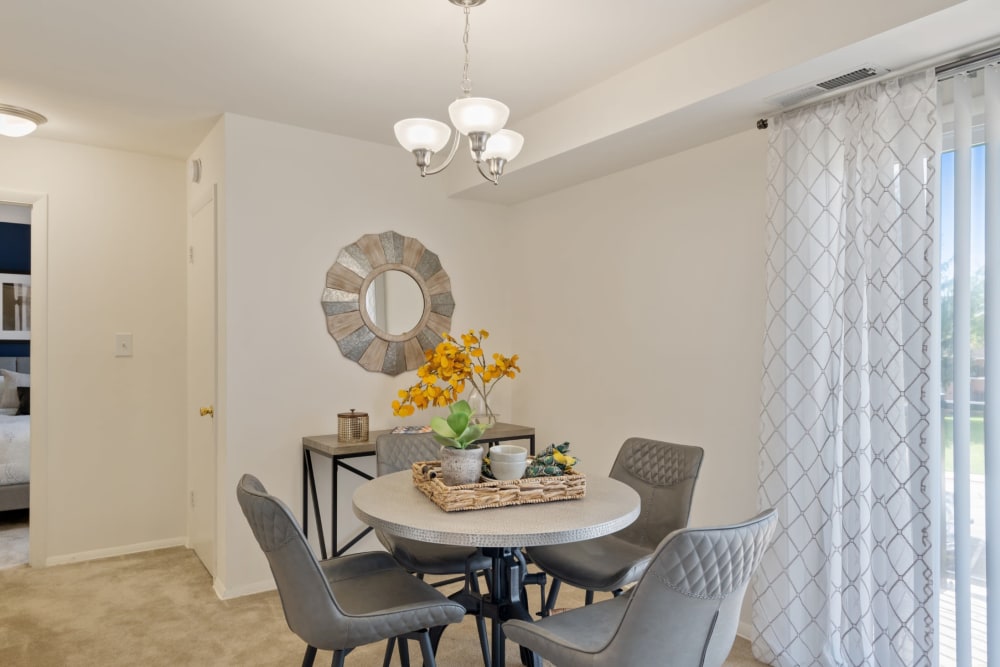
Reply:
x=352, y=426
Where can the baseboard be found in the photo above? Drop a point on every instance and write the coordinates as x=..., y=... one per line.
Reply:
x=745, y=630
x=115, y=551
x=239, y=591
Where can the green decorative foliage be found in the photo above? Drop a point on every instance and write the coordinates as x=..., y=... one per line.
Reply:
x=456, y=431
x=552, y=462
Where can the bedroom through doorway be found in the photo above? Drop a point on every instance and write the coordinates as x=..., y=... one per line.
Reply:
x=15, y=382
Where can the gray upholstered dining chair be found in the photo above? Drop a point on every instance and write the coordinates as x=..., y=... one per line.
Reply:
x=664, y=475
x=395, y=452
x=683, y=611
x=344, y=602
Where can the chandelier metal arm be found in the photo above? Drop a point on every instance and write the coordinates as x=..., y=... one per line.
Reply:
x=495, y=180
x=495, y=165
x=428, y=171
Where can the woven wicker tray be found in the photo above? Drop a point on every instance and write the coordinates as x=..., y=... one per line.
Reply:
x=495, y=493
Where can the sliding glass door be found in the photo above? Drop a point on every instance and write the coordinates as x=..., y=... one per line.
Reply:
x=970, y=341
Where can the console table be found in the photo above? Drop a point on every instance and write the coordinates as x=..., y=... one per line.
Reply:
x=338, y=452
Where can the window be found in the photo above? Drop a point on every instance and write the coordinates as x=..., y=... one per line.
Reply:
x=965, y=181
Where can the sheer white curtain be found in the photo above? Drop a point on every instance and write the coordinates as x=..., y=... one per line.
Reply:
x=848, y=413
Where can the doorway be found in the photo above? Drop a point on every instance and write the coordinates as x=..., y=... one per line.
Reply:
x=15, y=431
x=201, y=379
x=36, y=204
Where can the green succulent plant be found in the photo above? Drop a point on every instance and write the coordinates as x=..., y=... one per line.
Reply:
x=552, y=462
x=457, y=431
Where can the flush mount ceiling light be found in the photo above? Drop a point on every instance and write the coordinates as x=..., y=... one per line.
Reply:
x=479, y=118
x=18, y=122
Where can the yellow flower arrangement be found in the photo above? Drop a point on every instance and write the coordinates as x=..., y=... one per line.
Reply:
x=449, y=367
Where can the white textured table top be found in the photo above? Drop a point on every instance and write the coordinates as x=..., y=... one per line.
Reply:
x=393, y=504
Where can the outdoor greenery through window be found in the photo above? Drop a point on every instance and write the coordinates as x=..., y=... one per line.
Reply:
x=977, y=302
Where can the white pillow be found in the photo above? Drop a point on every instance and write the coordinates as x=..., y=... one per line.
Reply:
x=8, y=391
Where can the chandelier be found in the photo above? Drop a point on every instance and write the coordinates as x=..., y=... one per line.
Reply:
x=481, y=119
x=18, y=122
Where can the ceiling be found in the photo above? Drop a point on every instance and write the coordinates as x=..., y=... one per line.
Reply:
x=153, y=76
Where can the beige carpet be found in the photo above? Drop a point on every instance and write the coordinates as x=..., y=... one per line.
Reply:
x=158, y=608
x=13, y=538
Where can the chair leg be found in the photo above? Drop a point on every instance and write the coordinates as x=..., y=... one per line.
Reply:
x=389, y=648
x=588, y=598
x=435, y=636
x=484, y=643
x=426, y=650
x=309, y=657
x=404, y=652
x=338, y=657
x=550, y=603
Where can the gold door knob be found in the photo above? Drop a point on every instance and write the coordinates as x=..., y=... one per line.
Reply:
x=210, y=411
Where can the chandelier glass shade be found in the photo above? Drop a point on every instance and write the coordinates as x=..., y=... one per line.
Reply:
x=422, y=134
x=505, y=144
x=478, y=114
x=481, y=119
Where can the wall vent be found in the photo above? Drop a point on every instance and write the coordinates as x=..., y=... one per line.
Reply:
x=850, y=77
x=794, y=97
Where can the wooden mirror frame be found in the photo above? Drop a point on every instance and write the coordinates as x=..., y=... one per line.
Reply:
x=347, y=283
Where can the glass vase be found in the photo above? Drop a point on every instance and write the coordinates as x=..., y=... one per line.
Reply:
x=481, y=412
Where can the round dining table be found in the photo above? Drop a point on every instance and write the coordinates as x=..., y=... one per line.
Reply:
x=392, y=503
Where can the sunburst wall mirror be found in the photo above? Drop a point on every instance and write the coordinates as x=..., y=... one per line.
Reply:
x=387, y=299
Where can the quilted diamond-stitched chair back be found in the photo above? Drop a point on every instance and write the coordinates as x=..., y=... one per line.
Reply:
x=664, y=475
x=305, y=594
x=687, y=603
x=398, y=451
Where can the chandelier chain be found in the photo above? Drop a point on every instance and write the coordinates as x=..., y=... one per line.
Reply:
x=466, y=81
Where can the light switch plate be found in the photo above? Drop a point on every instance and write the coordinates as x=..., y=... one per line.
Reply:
x=123, y=345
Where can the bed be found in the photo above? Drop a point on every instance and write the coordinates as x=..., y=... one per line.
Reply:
x=15, y=438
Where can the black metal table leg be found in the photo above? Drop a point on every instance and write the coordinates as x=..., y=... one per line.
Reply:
x=335, y=549
x=333, y=505
x=315, y=499
x=503, y=602
x=305, y=493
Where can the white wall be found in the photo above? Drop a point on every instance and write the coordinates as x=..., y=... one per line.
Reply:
x=635, y=302
x=115, y=445
x=639, y=312
x=293, y=199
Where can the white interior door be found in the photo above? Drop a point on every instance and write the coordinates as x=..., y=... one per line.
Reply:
x=201, y=379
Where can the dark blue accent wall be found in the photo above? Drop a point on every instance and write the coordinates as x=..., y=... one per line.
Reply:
x=15, y=257
x=15, y=348
x=15, y=248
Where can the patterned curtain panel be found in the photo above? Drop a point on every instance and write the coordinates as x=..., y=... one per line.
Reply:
x=847, y=391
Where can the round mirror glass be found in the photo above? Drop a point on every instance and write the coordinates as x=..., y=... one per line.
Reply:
x=394, y=302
